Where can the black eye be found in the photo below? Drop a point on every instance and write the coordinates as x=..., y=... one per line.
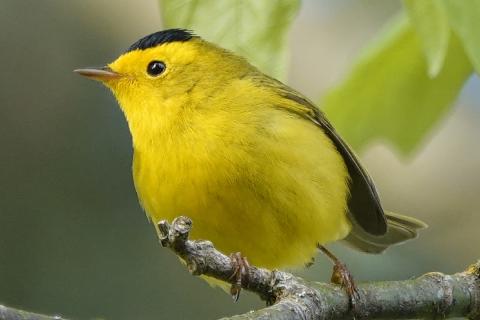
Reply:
x=156, y=68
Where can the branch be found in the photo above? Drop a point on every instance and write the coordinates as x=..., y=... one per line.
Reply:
x=288, y=297
x=7, y=313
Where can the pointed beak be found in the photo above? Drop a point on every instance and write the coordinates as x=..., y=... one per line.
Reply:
x=99, y=74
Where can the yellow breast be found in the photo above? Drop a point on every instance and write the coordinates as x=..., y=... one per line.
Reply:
x=258, y=180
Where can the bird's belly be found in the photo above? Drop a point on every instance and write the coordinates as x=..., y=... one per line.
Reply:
x=273, y=207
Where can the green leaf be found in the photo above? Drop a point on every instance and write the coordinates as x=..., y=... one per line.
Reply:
x=254, y=29
x=464, y=17
x=389, y=95
x=431, y=23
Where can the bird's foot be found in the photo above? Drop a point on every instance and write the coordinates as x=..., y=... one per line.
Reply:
x=240, y=274
x=342, y=277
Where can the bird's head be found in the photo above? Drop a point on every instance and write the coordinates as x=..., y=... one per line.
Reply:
x=166, y=73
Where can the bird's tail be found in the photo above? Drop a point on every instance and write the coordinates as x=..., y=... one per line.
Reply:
x=400, y=229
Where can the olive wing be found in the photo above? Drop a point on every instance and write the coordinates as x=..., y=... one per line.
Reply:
x=365, y=209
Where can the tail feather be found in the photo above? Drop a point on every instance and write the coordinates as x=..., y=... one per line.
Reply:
x=400, y=229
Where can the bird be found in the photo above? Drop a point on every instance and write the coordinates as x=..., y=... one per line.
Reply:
x=255, y=164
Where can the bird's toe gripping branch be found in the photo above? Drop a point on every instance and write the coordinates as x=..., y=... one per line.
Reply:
x=241, y=266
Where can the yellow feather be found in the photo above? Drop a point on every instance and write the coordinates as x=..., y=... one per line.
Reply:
x=214, y=143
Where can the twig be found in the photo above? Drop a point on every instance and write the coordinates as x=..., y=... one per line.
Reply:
x=7, y=313
x=429, y=296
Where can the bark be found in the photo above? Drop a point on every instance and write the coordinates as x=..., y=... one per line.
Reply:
x=433, y=295
x=289, y=297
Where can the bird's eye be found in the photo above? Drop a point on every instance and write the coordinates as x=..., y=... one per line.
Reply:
x=156, y=68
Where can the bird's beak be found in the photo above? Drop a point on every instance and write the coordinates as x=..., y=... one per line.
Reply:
x=99, y=74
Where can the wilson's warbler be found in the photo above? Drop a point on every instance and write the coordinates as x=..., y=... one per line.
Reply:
x=254, y=164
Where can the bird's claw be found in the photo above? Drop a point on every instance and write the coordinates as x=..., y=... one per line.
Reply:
x=240, y=274
x=342, y=277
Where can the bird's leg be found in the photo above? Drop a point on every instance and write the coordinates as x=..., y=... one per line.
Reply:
x=342, y=277
x=240, y=274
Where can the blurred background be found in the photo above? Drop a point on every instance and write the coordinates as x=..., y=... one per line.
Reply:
x=73, y=239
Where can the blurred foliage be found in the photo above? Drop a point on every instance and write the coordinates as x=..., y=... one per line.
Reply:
x=429, y=18
x=389, y=95
x=464, y=18
x=395, y=93
x=433, y=20
x=254, y=29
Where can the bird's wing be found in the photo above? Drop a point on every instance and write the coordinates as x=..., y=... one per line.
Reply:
x=364, y=205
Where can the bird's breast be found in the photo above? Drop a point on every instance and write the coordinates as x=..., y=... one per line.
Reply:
x=270, y=188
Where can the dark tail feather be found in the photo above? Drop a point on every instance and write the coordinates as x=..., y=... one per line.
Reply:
x=400, y=229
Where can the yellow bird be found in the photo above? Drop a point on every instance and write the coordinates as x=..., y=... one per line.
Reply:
x=254, y=164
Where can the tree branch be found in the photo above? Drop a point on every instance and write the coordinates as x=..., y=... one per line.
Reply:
x=288, y=297
x=429, y=296
x=7, y=313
